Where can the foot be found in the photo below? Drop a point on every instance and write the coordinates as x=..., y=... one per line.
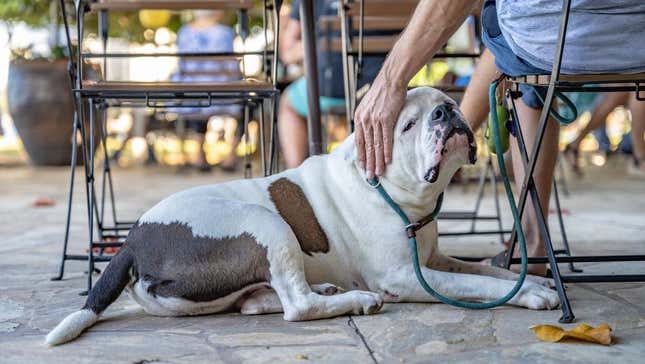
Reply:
x=366, y=303
x=204, y=168
x=572, y=155
x=229, y=164
x=542, y=281
x=536, y=297
x=500, y=261
x=636, y=168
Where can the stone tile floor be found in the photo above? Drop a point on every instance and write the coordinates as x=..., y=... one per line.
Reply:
x=605, y=213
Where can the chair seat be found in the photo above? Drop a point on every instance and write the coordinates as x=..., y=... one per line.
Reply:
x=115, y=5
x=543, y=80
x=249, y=85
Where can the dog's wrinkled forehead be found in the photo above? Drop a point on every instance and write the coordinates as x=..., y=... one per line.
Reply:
x=423, y=100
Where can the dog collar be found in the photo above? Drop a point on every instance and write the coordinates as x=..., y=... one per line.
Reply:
x=411, y=228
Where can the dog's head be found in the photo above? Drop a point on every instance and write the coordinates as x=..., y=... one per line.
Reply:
x=431, y=139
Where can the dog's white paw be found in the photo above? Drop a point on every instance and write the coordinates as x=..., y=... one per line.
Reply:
x=326, y=289
x=366, y=303
x=546, y=282
x=536, y=297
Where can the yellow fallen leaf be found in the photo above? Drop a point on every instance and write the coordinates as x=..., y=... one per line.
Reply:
x=599, y=335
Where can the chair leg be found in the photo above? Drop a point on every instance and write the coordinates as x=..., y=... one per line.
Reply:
x=107, y=168
x=563, y=176
x=75, y=128
x=263, y=160
x=563, y=231
x=498, y=211
x=274, y=158
x=480, y=196
x=91, y=195
x=529, y=187
x=248, y=173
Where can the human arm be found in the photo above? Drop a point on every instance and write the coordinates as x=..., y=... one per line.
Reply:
x=290, y=45
x=432, y=23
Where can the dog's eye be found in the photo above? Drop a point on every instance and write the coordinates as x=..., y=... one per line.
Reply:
x=409, y=125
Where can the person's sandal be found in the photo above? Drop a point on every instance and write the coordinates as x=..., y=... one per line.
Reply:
x=499, y=261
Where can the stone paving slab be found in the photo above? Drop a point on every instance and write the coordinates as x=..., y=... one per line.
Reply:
x=605, y=214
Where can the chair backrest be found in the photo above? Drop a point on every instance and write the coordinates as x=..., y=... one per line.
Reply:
x=116, y=5
x=379, y=17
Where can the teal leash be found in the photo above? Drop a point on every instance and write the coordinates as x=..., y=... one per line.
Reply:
x=566, y=102
x=411, y=228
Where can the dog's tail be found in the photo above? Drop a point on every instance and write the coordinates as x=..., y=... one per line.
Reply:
x=106, y=290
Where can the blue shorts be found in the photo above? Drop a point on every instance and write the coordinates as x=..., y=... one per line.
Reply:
x=297, y=95
x=505, y=60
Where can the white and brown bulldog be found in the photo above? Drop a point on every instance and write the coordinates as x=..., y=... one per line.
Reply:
x=313, y=242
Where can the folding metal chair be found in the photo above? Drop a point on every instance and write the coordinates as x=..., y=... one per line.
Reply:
x=564, y=83
x=93, y=97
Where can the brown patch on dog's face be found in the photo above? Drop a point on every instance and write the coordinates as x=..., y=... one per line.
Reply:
x=293, y=206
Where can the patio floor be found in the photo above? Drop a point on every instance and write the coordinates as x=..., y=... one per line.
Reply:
x=604, y=214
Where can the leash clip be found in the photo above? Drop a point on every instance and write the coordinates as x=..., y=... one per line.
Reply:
x=411, y=229
x=374, y=182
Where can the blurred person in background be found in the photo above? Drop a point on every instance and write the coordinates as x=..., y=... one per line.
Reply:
x=206, y=33
x=293, y=104
x=633, y=142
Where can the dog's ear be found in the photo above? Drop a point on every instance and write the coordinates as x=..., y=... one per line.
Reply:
x=347, y=149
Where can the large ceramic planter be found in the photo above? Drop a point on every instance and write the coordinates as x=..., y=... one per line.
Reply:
x=41, y=105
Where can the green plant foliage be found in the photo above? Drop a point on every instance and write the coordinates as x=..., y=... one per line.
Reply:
x=32, y=12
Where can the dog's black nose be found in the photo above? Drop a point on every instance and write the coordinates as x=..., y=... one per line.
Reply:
x=443, y=112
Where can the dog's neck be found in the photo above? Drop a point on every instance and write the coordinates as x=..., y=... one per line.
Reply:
x=416, y=198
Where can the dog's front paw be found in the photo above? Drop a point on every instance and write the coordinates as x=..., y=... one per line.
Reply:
x=542, y=281
x=367, y=303
x=536, y=297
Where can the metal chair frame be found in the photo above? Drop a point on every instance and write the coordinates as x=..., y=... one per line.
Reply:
x=96, y=100
x=560, y=82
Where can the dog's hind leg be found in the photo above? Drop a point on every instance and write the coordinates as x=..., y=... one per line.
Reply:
x=299, y=301
x=265, y=300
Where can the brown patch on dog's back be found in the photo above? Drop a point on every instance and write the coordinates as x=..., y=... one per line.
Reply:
x=293, y=206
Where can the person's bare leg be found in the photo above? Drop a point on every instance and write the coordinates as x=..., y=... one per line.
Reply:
x=201, y=163
x=598, y=118
x=542, y=176
x=474, y=104
x=292, y=129
x=637, y=109
x=599, y=115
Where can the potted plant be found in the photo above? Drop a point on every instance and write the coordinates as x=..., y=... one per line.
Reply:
x=38, y=89
x=38, y=92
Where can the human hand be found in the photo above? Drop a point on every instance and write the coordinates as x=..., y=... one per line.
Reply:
x=374, y=120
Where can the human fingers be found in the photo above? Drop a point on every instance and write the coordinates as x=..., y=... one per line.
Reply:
x=369, y=150
x=379, y=159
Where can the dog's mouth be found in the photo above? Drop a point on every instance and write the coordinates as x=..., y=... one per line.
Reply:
x=432, y=174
